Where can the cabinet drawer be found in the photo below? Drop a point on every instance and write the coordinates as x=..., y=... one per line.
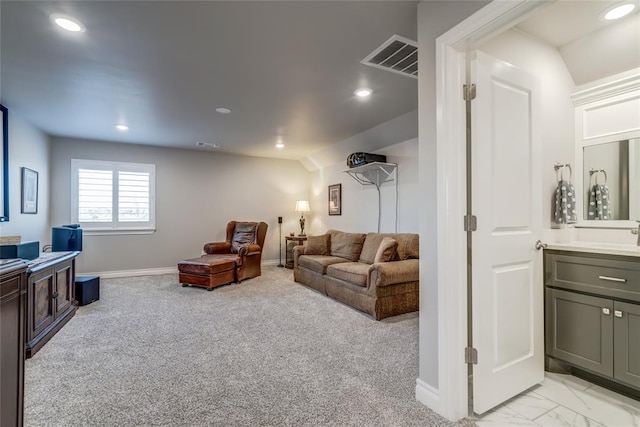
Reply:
x=612, y=277
x=10, y=285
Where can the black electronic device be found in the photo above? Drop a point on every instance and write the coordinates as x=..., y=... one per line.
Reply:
x=66, y=238
x=359, y=159
x=24, y=250
x=87, y=289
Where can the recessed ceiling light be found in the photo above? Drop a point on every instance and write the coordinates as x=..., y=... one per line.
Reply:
x=223, y=110
x=68, y=23
x=363, y=92
x=619, y=11
x=280, y=144
x=122, y=128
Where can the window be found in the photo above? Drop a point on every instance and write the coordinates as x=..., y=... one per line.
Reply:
x=113, y=195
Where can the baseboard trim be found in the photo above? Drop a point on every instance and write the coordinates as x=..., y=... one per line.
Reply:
x=428, y=395
x=132, y=273
x=149, y=271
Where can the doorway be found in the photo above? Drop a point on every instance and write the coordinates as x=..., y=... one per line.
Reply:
x=451, y=399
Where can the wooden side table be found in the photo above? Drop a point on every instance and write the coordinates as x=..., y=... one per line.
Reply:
x=290, y=242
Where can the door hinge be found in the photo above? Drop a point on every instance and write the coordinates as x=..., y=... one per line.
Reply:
x=470, y=223
x=469, y=92
x=471, y=355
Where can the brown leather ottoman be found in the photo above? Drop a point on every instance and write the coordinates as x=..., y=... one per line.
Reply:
x=208, y=271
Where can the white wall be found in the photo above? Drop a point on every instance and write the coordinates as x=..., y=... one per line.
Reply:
x=434, y=19
x=360, y=203
x=28, y=147
x=545, y=62
x=197, y=193
x=558, y=129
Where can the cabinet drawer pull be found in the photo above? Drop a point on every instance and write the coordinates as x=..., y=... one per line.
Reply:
x=617, y=313
x=606, y=311
x=612, y=279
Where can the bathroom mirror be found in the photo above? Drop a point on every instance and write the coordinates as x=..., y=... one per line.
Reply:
x=607, y=153
x=610, y=181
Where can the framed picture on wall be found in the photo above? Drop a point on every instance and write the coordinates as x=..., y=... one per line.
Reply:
x=29, y=191
x=335, y=199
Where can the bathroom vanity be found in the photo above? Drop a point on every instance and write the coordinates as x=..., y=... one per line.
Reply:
x=592, y=311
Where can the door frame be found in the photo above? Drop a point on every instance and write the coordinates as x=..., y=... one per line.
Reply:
x=451, y=399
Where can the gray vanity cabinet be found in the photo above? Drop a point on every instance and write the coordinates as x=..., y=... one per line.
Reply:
x=579, y=330
x=626, y=322
x=592, y=313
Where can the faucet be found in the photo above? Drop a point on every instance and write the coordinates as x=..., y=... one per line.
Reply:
x=637, y=231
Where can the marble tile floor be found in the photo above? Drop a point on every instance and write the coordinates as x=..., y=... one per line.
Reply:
x=565, y=400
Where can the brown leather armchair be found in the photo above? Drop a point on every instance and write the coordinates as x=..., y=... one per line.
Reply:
x=244, y=245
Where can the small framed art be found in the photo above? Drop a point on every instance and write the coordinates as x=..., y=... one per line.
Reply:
x=335, y=199
x=29, y=191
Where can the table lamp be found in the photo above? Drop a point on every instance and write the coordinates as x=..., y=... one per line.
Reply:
x=302, y=206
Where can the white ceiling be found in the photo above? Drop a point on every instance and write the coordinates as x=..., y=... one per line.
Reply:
x=591, y=47
x=286, y=69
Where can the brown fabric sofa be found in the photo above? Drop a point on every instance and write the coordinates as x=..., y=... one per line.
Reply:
x=375, y=273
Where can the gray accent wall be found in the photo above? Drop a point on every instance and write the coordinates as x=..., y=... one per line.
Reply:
x=28, y=147
x=197, y=193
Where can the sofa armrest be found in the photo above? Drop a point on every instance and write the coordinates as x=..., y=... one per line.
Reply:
x=297, y=251
x=217, y=248
x=250, y=249
x=390, y=273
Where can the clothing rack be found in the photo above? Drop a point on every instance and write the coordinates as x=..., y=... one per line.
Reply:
x=597, y=172
x=559, y=167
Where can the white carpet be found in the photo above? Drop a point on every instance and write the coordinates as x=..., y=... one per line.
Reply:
x=266, y=352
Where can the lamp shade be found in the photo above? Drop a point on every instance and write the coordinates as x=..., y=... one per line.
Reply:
x=302, y=206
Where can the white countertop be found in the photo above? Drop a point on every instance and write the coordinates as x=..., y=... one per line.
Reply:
x=597, y=248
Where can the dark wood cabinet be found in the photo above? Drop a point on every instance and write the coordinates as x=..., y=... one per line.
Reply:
x=12, y=350
x=51, y=300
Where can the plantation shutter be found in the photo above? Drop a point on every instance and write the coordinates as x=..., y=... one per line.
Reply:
x=113, y=196
x=95, y=195
x=133, y=196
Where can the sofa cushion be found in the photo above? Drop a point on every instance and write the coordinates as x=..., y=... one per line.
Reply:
x=318, y=245
x=352, y=272
x=408, y=245
x=318, y=263
x=346, y=245
x=243, y=234
x=387, y=250
x=370, y=247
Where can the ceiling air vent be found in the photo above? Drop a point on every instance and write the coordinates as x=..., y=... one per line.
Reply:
x=398, y=54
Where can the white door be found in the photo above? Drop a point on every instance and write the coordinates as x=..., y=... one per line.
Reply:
x=507, y=295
